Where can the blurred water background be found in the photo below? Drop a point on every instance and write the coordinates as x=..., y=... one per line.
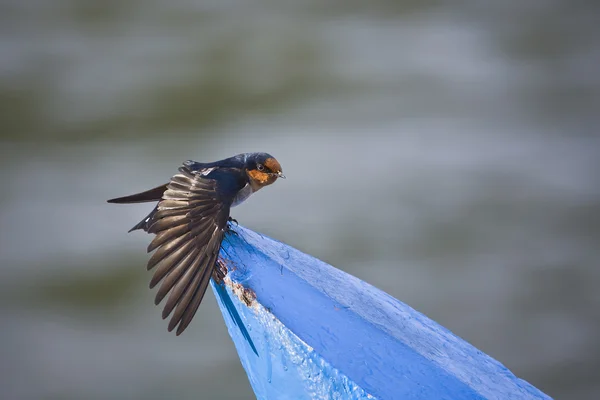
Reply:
x=446, y=152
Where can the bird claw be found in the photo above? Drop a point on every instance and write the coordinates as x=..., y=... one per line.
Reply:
x=229, y=228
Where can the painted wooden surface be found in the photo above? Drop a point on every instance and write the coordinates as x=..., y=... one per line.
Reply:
x=304, y=330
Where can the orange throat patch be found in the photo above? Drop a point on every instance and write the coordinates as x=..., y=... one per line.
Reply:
x=259, y=179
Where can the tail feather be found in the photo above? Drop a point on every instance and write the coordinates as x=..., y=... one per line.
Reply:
x=145, y=223
x=149, y=195
x=144, y=197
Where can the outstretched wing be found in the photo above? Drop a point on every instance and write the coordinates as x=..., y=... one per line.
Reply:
x=190, y=222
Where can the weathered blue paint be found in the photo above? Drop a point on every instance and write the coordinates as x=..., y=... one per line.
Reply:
x=313, y=331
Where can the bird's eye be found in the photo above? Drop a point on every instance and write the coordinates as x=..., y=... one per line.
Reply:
x=260, y=167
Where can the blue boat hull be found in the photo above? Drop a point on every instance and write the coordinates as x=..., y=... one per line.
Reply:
x=306, y=330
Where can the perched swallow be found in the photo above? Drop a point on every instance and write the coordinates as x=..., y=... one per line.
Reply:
x=190, y=221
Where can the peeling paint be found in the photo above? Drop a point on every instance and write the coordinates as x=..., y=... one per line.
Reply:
x=246, y=295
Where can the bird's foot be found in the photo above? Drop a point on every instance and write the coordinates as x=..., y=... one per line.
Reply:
x=229, y=226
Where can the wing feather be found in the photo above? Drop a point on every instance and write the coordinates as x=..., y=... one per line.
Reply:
x=170, y=212
x=181, y=285
x=199, y=284
x=173, y=204
x=167, y=223
x=164, y=236
x=165, y=250
x=172, y=261
x=174, y=275
x=189, y=223
x=192, y=307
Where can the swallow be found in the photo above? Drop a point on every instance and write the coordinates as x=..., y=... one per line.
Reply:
x=189, y=223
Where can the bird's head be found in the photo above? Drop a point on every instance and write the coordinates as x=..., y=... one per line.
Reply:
x=262, y=169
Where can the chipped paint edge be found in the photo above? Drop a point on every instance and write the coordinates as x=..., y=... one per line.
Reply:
x=283, y=366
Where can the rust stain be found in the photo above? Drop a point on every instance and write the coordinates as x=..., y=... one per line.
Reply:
x=228, y=264
x=246, y=295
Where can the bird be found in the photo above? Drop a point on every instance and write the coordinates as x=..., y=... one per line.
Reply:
x=189, y=223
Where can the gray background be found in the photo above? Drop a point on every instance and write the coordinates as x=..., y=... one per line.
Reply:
x=447, y=153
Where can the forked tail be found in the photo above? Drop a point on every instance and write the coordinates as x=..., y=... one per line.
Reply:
x=143, y=197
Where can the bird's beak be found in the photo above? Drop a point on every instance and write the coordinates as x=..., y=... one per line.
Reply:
x=280, y=175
